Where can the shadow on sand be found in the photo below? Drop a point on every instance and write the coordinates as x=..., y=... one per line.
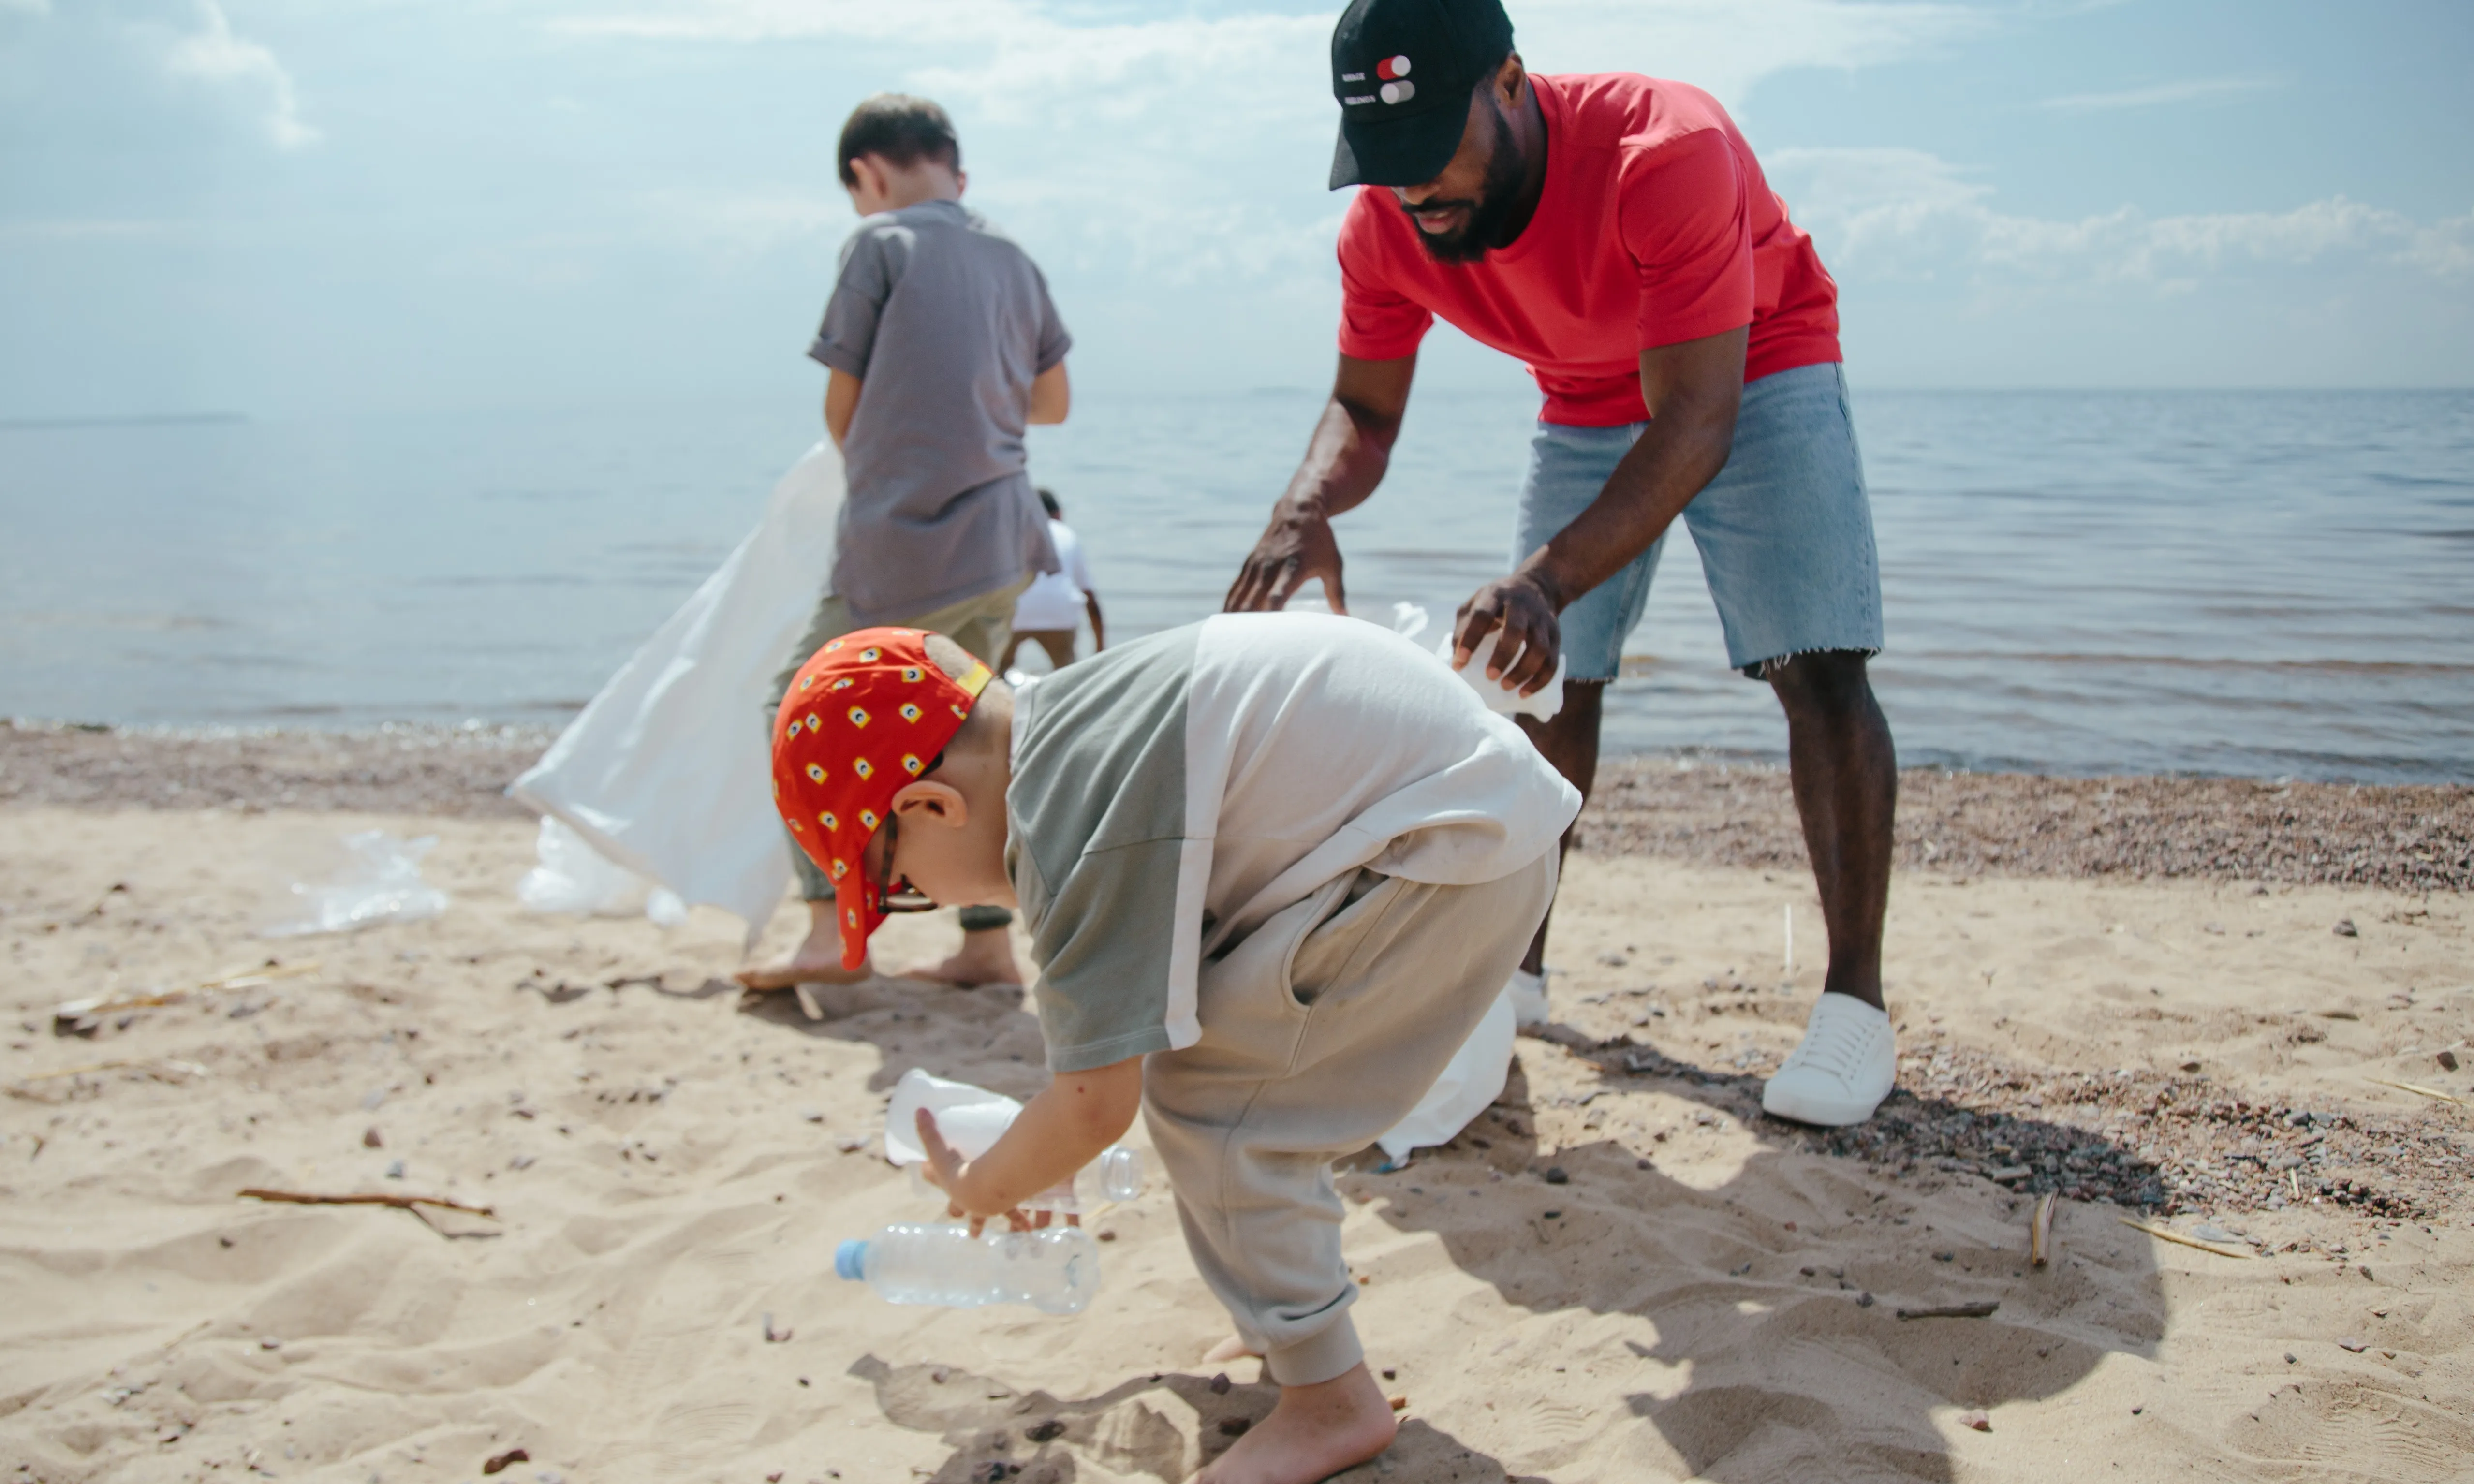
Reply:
x=1776, y=1347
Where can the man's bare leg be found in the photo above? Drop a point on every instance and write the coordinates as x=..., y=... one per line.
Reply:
x=986, y=958
x=1570, y=743
x=1313, y=1433
x=816, y=961
x=1845, y=771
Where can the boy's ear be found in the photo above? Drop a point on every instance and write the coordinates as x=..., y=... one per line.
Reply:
x=930, y=802
x=869, y=171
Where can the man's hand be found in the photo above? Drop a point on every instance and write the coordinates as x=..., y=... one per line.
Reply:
x=1692, y=391
x=948, y=1173
x=1296, y=548
x=1344, y=461
x=1521, y=610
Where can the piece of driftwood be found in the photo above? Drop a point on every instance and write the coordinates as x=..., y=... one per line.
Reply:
x=2040, y=1231
x=1983, y=1309
x=399, y=1202
x=170, y=1068
x=2169, y=1234
x=2420, y=1089
x=85, y=1013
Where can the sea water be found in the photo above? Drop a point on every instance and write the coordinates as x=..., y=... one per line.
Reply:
x=2253, y=583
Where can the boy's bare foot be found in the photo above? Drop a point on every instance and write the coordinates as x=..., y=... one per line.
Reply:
x=817, y=960
x=987, y=958
x=1313, y=1432
x=1233, y=1348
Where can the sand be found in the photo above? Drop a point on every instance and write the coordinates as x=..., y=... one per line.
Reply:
x=1615, y=1275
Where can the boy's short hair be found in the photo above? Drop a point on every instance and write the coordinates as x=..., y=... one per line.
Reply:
x=901, y=129
x=1048, y=503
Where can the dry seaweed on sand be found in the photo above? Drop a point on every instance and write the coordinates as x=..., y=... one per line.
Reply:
x=372, y=1198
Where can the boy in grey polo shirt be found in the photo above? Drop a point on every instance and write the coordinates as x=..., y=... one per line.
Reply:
x=940, y=345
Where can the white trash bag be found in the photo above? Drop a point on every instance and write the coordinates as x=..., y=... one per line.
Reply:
x=1468, y=1085
x=377, y=880
x=972, y=1119
x=573, y=877
x=668, y=772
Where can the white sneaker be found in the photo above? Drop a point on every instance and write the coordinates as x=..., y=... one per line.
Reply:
x=1846, y=1067
x=1528, y=993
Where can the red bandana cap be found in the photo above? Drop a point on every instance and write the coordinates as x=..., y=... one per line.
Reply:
x=864, y=717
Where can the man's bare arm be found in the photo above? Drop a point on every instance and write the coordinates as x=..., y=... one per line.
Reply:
x=1345, y=460
x=1692, y=391
x=1099, y=623
x=841, y=399
x=1052, y=397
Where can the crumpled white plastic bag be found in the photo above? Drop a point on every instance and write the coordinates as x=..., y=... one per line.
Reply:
x=379, y=880
x=573, y=877
x=1409, y=621
x=668, y=772
x=1468, y=1085
x=971, y=1119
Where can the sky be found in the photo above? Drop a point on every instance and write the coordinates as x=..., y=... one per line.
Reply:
x=298, y=206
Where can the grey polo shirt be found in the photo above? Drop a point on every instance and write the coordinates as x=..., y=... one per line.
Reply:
x=946, y=323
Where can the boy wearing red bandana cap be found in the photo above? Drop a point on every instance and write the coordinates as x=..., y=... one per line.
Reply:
x=1274, y=869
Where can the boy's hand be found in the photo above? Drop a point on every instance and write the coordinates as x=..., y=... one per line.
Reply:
x=947, y=1172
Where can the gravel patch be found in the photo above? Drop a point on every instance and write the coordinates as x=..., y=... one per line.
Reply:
x=397, y=769
x=2415, y=837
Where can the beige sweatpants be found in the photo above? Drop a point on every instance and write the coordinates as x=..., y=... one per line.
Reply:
x=1320, y=1029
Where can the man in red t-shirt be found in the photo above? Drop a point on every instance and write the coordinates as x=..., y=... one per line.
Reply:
x=1615, y=233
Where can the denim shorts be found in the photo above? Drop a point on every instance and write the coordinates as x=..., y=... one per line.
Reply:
x=1785, y=532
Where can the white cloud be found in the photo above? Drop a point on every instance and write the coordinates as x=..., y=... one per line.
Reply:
x=1178, y=149
x=1909, y=215
x=212, y=55
x=2162, y=94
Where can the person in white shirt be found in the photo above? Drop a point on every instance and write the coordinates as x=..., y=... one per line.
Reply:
x=1052, y=606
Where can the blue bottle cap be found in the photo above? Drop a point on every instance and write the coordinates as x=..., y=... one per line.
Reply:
x=848, y=1257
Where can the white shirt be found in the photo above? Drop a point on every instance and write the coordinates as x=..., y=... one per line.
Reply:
x=1054, y=600
x=1179, y=790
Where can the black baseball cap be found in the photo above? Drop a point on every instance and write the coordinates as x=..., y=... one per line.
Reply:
x=1403, y=71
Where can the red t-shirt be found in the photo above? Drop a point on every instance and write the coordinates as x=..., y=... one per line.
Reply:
x=1655, y=227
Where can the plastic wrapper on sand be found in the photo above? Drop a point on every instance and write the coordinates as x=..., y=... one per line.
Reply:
x=379, y=880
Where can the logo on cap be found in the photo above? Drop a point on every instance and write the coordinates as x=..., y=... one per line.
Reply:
x=1395, y=72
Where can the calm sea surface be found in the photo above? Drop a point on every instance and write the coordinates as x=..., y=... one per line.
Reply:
x=2078, y=582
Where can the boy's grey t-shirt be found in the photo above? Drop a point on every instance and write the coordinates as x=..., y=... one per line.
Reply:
x=1171, y=793
x=946, y=323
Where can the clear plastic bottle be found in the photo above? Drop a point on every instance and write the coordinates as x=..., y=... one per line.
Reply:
x=1054, y=1270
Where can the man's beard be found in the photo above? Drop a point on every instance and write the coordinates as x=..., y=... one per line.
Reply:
x=1490, y=215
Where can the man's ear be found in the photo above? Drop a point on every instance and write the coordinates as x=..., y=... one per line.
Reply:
x=930, y=802
x=1510, y=80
